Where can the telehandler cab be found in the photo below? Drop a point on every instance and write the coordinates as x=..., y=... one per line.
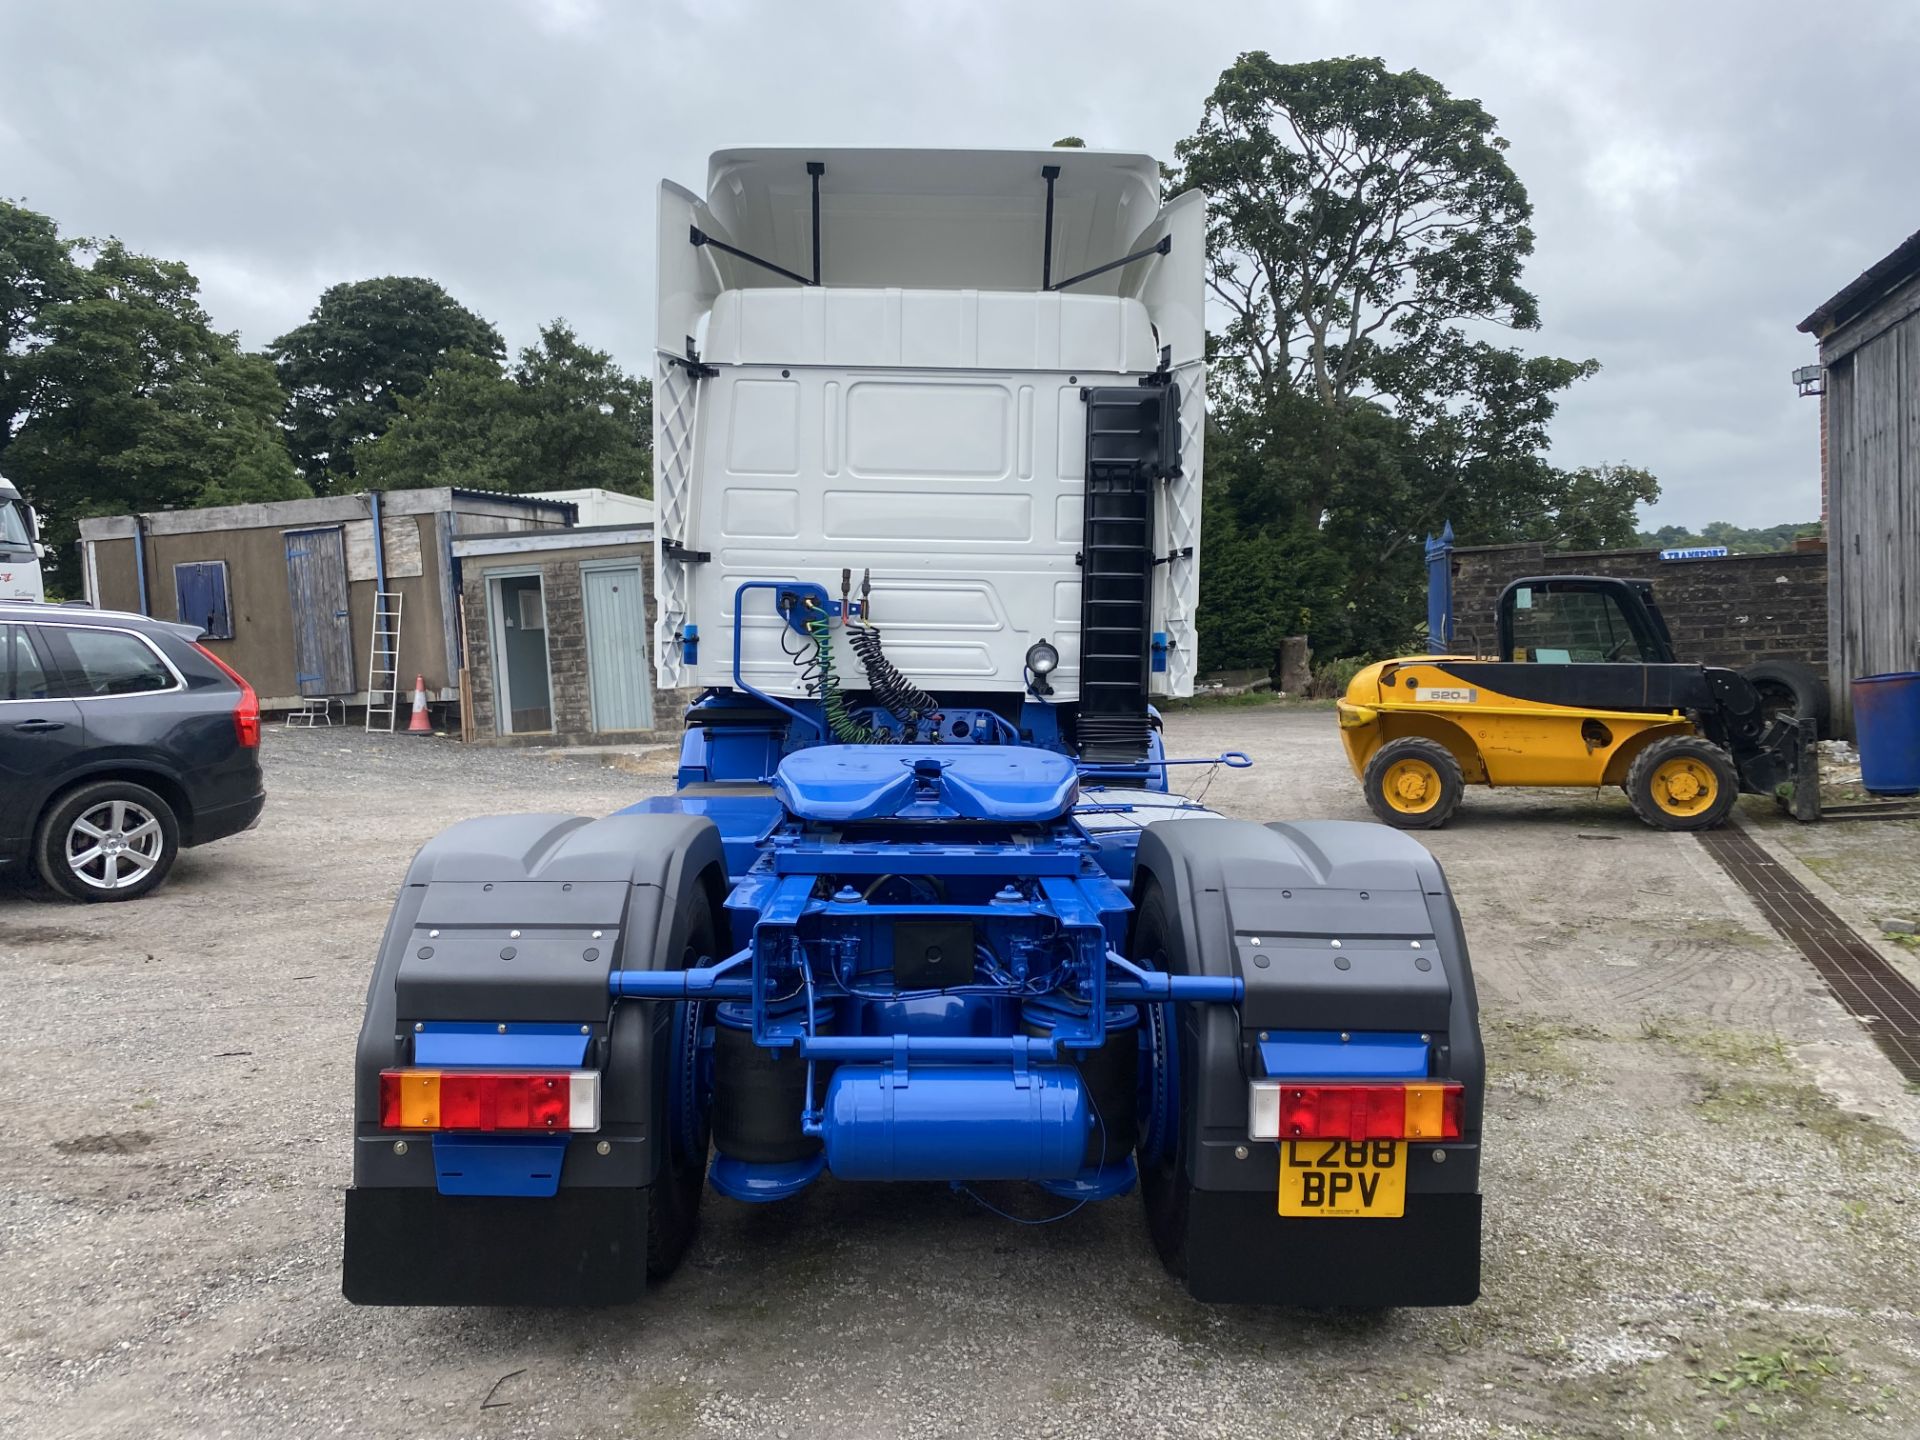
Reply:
x=1585, y=692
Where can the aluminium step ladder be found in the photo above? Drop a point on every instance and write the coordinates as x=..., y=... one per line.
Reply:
x=383, y=662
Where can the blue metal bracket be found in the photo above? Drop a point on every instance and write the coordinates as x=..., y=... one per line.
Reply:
x=702, y=982
x=739, y=596
x=498, y=1164
x=1158, y=985
x=1340, y=1055
x=515, y=1047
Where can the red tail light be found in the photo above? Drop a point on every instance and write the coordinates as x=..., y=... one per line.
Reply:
x=490, y=1100
x=1304, y=1110
x=246, y=713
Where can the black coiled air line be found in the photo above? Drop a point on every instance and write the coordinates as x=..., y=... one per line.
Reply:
x=891, y=690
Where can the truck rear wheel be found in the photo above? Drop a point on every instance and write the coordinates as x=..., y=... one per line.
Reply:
x=1413, y=783
x=1166, y=1188
x=685, y=1123
x=1683, y=782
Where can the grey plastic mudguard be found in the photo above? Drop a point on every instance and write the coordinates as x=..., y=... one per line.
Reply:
x=1300, y=887
x=556, y=879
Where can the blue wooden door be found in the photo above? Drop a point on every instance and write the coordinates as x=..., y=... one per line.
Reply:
x=322, y=625
x=617, y=650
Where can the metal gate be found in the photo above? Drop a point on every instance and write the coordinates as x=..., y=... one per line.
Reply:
x=322, y=629
x=617, y=650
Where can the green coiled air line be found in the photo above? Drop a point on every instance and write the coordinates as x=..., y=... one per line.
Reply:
x=826, y=684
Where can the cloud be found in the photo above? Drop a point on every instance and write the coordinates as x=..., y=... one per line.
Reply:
x=1702, y=175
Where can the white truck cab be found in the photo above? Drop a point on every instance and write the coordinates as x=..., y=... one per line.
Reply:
x=878, y=364
x=20, y=547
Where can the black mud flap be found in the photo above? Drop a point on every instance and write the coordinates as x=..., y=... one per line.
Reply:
x=415, y=1246
x=1241, y=1252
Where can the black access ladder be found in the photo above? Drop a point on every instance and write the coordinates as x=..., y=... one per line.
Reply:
x=1133, y=442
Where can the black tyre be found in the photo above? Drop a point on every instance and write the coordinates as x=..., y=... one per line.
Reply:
x=1683, y=782
x=1788, y=687
x=111, y=840
x=1166, y=1188
x=1413, y=784
x=684, y=1123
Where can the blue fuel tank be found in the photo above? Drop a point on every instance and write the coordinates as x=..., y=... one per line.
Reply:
x=956, y=1122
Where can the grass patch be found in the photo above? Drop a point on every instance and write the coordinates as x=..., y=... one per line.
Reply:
x=1728, y=932
x=1534, y=1047
x=1740, y=1048
x=1252, y=700
x=1780, y=1104
x=1774, y=1386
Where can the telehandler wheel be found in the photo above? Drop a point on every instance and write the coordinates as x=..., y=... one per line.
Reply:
x=1683, y=782
x=1413, y=784
x=685, y=1120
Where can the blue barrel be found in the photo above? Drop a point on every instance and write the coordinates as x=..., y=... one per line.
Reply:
x=1886, y=731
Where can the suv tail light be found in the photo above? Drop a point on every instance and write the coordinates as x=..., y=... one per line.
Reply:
x=246, y=712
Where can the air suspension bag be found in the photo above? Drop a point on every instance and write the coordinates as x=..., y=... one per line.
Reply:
x=956, y=1122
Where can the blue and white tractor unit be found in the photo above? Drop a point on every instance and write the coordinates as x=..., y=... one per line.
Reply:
x=922, y=905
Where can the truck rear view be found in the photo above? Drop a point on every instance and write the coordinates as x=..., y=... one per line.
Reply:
x=922, y=904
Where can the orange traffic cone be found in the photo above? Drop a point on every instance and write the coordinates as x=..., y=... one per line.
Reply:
x=420, y=725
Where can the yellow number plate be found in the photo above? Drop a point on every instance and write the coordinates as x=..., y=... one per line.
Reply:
x=1360, y=1179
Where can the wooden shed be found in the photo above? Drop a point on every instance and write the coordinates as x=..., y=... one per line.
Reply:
x=286, y=590
x=1869, y=336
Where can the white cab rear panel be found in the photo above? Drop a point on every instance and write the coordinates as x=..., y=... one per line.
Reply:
x=934, y=437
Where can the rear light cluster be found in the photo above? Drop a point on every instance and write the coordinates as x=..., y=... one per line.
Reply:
x=246, y=714
x=490, y=1100
x=1305, y=1110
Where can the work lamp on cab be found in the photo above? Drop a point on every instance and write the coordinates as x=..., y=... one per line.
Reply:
x=1042, y=661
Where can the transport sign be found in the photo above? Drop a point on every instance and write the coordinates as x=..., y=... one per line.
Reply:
x=1695, y=552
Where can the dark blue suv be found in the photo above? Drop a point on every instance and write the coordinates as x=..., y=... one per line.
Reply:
x=121, y=740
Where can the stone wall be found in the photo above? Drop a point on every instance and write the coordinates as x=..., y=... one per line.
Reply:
x=1731, y=611
x=572, y=696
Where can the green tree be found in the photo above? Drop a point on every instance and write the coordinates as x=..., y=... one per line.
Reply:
x=469, y=427
x=565, y=417
x=367, y=346
x=1359, y=215
x=593, y=423
x=132, y=401
x=1366, y=234
x=1595, y=508
x=37, y=272
x=1738, y=539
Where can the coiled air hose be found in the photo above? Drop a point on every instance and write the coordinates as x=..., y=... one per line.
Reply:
x=894, y=693
x=824, y=682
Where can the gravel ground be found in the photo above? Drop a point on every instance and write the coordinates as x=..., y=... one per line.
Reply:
x=1692, y=1155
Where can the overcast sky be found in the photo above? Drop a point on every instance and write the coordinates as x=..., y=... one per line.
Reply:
x=1702, y=175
